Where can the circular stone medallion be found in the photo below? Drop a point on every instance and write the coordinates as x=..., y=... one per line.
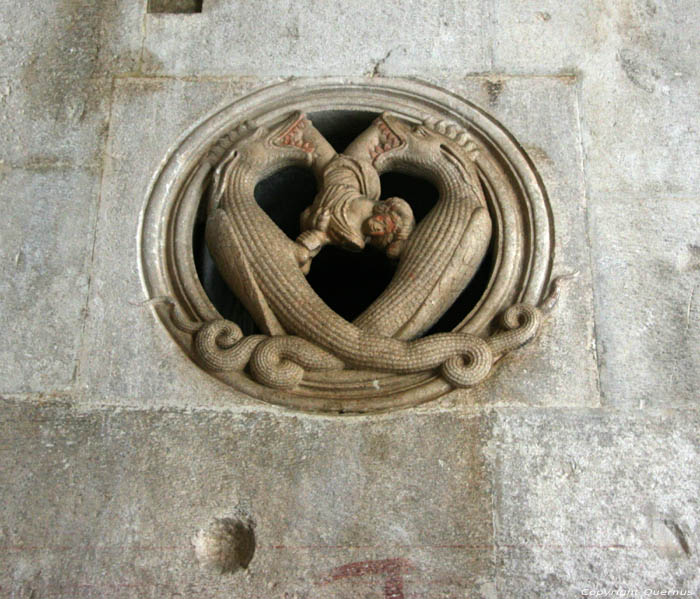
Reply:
x=249, y=231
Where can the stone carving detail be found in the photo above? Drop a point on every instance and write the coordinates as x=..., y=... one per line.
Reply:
x=492, y=209
x=436, y=258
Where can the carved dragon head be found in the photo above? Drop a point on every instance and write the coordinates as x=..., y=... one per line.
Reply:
x=289, y=141
x=394, y=142
x=294, y=134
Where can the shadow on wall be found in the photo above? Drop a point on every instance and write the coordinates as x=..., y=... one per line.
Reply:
x=175, y=6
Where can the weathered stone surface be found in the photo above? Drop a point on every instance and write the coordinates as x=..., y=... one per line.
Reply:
x=640, y=102
x=106, y=503
x=54, y=86
x=546, y=37
x=121, y=36
x=638, y=69
x=647, y=273
x=45, y=250
x=303, y=38
x=559, y=368
x=596, y=501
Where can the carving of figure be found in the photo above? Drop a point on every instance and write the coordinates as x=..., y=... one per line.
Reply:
x=347, y=213
x=390, y=225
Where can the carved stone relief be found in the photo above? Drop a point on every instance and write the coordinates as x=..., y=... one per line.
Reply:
x=307, y=355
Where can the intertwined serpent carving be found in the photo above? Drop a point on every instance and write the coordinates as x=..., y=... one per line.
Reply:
x=436, y=258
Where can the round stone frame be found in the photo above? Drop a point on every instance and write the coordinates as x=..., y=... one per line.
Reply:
x=522, y=243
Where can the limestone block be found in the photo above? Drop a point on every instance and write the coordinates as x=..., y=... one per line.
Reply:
x=647, y=273
x=559, y=368
x=121, y=34
x=107, y=503
x=640, y=103
x=308, y=38
x=638, y=70
x=55, y=85
x=596, y=501
x=46, y=237
x=546, y=37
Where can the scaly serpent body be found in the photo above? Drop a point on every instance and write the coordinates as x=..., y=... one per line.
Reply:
x=444, y=251
x=258, y=261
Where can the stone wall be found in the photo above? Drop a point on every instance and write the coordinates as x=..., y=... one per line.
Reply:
x=573, y=470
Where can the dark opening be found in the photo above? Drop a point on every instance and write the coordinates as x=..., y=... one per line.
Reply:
x=467, y=299
x=350, y=281
x=419, y=193
x=284, y=195
x=175, y=6
x=472, y=292
x=213, y=283
x=340, y=127
x=347, y=281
